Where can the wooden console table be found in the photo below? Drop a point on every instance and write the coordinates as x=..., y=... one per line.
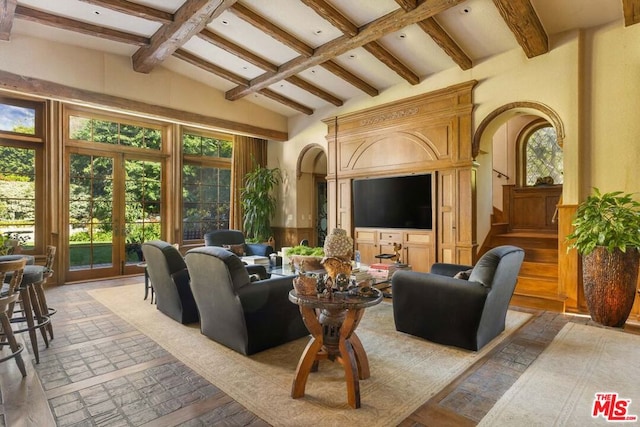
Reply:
x=332, y=324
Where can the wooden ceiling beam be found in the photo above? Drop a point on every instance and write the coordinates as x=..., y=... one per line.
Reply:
x=335, y=18
x=134, y=9
x=338, y=20
x=319, y=6
x=407, y=5
x=56, y=21
x=7, y=12
x=303, y=84
x=286, y=101
x=267, y=27
x=188, y=21
x=349, y=77
x=254, y=59
x=522, y=20
x=389, y=23
x=631, y=9
x=387, y=58
x=207, y=66
x=446, y=43
x=239, y=51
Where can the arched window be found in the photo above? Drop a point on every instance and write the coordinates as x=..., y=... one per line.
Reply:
x=541, y=155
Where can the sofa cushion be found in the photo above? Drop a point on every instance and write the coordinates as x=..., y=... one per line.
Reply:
x=463, y=275
x=236, y=249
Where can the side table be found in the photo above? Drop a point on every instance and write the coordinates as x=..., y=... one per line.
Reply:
x=332, y=324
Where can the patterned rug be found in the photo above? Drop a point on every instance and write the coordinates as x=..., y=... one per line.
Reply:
x=560, y=387
x=405, y=371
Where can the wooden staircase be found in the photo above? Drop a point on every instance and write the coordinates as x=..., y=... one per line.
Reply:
x=537, y=285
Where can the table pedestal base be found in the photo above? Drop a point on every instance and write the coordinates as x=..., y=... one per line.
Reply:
x=333, y=338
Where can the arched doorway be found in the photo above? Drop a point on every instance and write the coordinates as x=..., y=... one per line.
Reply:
x=523, y=202
x=311, y=173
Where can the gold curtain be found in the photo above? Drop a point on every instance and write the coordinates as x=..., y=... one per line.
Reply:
x=246, y=150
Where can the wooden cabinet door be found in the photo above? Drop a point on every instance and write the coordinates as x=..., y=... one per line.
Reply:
x=446, y=211
x=365, y=242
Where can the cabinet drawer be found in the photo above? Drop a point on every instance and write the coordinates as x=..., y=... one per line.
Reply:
x=365, y=235
x=390, y=236
x=418, y=238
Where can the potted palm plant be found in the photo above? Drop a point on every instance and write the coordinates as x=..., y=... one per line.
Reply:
x=607, y=236
x=258, y=202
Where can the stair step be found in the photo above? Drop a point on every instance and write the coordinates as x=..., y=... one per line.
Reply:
x=539, y=270
x=541, y=286
x=541, y=255
x=539, y=302
x=527, y=240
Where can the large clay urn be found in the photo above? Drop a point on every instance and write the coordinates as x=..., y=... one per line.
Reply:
x=610, y=280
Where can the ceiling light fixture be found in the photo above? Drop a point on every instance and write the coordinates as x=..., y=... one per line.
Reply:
x=402, y=36
x=225, y=22
x=97, y=12
x=317, y=32
x=353, y=56
x=465, y=10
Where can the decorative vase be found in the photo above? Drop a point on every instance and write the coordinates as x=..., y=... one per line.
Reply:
x=305, y=285
x=609, y=280
x=338, y=245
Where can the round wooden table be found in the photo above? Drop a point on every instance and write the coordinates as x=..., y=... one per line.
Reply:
x=332, y=324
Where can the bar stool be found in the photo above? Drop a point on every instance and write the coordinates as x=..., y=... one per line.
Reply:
x=47, y=272
x=30, y=312
x=8, y=298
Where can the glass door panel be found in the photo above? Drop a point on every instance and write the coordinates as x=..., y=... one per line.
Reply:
x=142, y=208
x=92, y=228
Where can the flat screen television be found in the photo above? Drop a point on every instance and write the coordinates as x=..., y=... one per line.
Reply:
x=393, y=202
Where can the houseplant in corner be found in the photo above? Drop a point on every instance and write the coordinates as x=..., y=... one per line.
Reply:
x=258, y=204
x=607, y=235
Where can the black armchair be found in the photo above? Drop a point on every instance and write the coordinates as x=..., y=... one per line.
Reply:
x=245, y=316
x=463, y=313
x=170, y=280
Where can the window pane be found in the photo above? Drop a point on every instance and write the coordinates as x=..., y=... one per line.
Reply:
x=17, y=119
x=110, y=132
x=543, y=156
x=205, y=204
x=18, y=194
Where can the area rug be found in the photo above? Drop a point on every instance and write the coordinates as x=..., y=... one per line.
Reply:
x=405, y=371
x=560, y=387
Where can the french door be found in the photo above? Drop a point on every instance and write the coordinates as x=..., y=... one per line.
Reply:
x=115, y=204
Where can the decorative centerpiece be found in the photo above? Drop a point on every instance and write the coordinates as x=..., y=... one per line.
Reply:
x=338, y=251
x=338, y=245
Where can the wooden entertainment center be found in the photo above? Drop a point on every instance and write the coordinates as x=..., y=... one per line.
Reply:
x=429, y=133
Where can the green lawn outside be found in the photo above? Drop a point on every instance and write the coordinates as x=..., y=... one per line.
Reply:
x=80, y=254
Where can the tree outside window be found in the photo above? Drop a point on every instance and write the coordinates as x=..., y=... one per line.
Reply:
x=206, y=183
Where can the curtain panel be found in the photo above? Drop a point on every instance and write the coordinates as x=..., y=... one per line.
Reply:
x=247, y=153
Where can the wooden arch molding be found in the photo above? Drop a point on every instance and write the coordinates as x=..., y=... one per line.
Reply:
x=548, y=112
x=307, y=149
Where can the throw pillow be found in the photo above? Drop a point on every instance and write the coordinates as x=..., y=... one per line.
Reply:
x=463, y=275
x=236, y=249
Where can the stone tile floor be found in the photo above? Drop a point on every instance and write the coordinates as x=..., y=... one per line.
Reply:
x=100, y=371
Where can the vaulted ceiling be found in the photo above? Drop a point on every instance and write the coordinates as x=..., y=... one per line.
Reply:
x=294, y=56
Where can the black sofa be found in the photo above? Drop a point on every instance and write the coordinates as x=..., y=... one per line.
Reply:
x=235, y=238
x=466, y=313
x=245, y=316
x=170, y=280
